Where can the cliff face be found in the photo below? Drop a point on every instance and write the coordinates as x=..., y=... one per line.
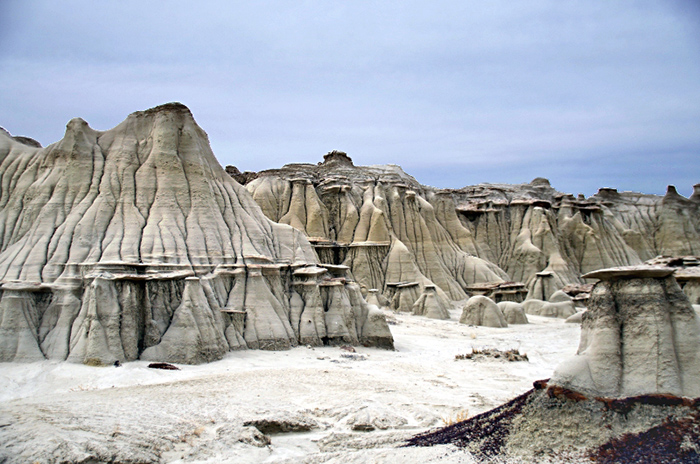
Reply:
x=379, y=222
x=135, y=243
x=387, y=227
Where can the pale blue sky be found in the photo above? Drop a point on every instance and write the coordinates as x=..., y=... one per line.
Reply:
x=586, y=93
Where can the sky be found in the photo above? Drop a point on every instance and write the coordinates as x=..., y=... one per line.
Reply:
x=588, y=94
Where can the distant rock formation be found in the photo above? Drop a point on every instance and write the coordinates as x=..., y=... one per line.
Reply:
x=387, y=228
x=482, y=311
x=513, y=312
x=135, y=243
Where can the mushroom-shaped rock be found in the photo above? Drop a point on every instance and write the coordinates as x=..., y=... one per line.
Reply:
x=405, y=295
x=430, y=305
x=639, y=336
x=480, y=310
x=513, y=312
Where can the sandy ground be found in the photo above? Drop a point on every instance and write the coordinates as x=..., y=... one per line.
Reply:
x=54, y=411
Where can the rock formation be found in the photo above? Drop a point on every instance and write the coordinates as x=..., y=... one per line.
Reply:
x=631, y=394
x=480, y=310
x=686, y=270
x=430, y=305
x=389, y=229
x=380, y=223
x=514, y=313
x=561, y=309
x=639, y=336
x=135, y=243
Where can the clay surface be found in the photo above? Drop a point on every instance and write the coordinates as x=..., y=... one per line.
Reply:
x=134, y=243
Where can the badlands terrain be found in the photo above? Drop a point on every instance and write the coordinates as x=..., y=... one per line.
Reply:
x=337, y=406
x=323, y=312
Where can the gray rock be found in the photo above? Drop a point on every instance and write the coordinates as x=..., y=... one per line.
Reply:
x=639, y=336
x=134, y=243
x=513, y=312
x=480, y=310
x=562, y=309
x=575, y=318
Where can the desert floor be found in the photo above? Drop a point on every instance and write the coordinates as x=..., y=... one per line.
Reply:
x=51, y=411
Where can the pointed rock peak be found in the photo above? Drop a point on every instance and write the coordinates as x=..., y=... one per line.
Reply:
x=241, y=177
x=540, y=182
x=696, y=193
x=672, y=195
x=79, y=129
x=76, y=125
x=337, y=157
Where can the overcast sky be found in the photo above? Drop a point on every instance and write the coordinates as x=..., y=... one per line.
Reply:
x=586, y=93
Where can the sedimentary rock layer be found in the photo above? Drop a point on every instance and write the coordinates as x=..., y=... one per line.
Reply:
x=639, y=336
x=134, y=242
x=389, y=229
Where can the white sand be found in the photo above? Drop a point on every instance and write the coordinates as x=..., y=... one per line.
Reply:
x=52, y=410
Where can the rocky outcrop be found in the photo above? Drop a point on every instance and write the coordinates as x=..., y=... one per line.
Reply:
x=686, y=271
x=560, y=309
x=640, y=336
x=379, y=222
x=514, y=313
x=135, y=243
x=631, y=394
x=388, y=228
x=430, y=305
x=482, y=311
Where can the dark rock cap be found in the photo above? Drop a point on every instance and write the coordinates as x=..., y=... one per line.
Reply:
x=629, y=272
x=337, y=157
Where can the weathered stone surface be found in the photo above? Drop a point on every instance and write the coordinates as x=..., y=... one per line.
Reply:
x=135, y=243
x=455, y=238
x=559, y=296
x=575, y=318
x=640, y=336
x=480, y=310
x=562, y=309
x=430, y=305
x=379, y=221
x=513, y=312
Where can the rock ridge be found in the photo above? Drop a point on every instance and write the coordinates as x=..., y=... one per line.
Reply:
x=134, y=243
x=387, y=227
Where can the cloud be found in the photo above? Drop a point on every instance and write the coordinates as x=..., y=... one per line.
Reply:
x=566, y=90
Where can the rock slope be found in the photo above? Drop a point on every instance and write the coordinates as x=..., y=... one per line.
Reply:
x=135, y=243
x=389, y=229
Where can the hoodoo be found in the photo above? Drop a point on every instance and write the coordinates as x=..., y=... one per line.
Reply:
x=389, y=229
x=640, y=336
x=631, y=394
x=135, y=243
